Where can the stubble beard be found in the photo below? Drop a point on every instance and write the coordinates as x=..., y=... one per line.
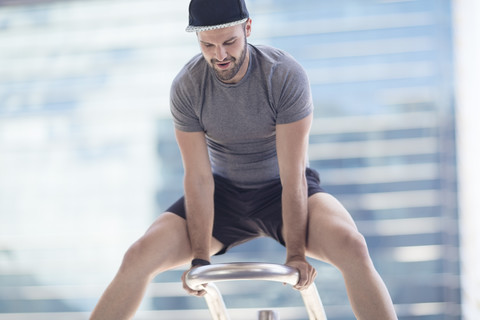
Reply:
x=227, y=75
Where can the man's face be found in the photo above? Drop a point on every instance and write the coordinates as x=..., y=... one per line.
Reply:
x=226, y=50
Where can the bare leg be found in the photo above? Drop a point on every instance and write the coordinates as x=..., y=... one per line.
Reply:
x=334, y=238
x=165, y=245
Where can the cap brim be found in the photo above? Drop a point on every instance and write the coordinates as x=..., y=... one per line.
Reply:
x=219, y=26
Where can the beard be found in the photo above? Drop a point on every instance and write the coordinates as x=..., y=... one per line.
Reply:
x=227, y=75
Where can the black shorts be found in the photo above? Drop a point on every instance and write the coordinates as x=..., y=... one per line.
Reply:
x=244, y=214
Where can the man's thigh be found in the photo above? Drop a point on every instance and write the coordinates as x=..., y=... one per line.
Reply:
x=166, y=243
x=329, y=226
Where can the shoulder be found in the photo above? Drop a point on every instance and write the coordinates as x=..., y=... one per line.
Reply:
x=184, y=93
x=287, y=82
x=188, y=75
x=274, y=56
x=269, y=53
x=280, y=67
x=187, y=84
x=277, y=63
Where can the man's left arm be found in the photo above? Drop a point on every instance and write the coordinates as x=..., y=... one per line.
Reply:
x=292, y=145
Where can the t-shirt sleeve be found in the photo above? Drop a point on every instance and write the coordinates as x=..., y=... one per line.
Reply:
x=182, y=106
x=292, y=95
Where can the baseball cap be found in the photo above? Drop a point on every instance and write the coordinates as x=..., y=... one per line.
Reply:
x=216, y=14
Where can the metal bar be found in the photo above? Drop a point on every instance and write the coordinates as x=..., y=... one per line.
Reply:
x=267, y=315
x=197, y=277
x=215, y=303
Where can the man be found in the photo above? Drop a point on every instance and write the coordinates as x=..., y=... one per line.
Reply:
x=242, y=116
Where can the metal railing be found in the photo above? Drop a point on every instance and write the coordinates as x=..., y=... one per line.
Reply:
x=200, y=276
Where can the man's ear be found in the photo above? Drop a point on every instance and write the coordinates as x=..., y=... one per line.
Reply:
x=248, y=27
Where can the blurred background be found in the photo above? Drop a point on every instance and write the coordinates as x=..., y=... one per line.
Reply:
x=88, y=158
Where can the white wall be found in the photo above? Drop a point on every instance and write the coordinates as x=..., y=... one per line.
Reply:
x=467, y=44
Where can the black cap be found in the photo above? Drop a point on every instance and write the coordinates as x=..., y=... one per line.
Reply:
x=215, y=14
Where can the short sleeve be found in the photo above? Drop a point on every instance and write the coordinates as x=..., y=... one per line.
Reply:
x=182, y=105
x=292, y=95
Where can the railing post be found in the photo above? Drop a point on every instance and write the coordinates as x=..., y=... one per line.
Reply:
x=215, y=303
x=267, y=315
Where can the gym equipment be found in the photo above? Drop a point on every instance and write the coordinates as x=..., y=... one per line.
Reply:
x=203, y=277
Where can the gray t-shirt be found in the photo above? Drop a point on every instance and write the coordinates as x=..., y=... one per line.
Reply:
x=239, y=119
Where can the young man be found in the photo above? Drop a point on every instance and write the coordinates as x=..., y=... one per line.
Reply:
x=242, y=116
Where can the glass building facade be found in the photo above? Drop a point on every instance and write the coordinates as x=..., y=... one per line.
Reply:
x=88, y=157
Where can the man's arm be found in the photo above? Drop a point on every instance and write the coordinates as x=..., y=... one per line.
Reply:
x=292, y=145
x=198, y=188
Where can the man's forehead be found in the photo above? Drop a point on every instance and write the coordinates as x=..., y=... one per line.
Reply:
x=220, y=35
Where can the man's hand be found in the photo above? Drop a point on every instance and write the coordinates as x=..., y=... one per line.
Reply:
x=307, y=273
x=197, y=293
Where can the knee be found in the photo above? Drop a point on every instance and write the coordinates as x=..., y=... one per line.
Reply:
x=135, y=258
x=353, y=250
x=357, y=246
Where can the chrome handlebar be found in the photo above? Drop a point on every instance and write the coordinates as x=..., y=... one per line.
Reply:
x=241, y=271
x=200, y=276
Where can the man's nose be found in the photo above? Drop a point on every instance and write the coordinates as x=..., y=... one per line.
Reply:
x=221, y=53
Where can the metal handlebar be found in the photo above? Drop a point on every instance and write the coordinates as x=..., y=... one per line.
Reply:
x=200, y=276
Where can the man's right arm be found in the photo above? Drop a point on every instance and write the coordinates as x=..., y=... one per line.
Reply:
x=198, y=188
